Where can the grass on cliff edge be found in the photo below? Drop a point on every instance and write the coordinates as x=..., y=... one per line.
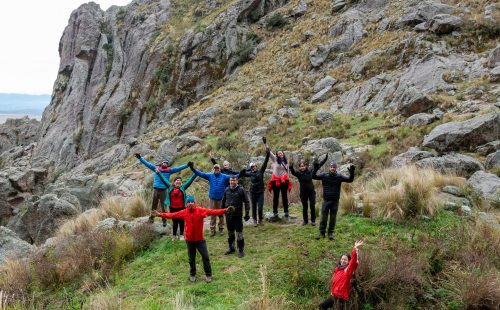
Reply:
x=298, y=266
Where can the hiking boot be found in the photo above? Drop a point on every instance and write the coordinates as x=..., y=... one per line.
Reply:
x=230, y=251
x=192, y=279
x=212, y=233
x=174, y=237
x=208, y=279
x=181, y=238
x=221, y=232
x=313, y=224
x=304, y=223
x=241, y=254
x=330, y=236
x=320, y=235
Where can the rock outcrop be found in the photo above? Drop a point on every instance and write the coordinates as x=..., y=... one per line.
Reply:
x=18, y=132
x=487, y=185
x=11, y=246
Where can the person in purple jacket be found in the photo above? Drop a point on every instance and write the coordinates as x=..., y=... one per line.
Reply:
x=159, y=189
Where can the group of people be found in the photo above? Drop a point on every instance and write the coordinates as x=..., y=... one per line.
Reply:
x=229, y=198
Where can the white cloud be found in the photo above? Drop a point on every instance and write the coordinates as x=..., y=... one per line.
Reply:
x=29, y=34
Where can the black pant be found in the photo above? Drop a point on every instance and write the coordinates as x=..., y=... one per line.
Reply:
x=308, y=196
x=235, y=223
x=329, y=206
x=283, y=188
x=201, y=246
x=257, y=200
x=158, y=199
x=177, y=223
x=333, y=302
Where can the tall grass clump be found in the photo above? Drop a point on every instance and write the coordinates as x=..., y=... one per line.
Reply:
x=104, y=300
x=406, y=192
x=183, y=301
x=347, y=200
x=136, y=207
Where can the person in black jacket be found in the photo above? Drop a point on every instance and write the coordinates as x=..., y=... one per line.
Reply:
x=235, y=196
x=256, y=188
x=307, y=192
x=331, y=182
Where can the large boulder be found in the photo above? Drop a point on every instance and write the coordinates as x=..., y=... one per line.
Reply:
x=486, y=184
x=254, y=136
x=167, y=150
x=322, y=146
x=12, y=247
x=319, y=54
x=465, y=135
x=327, y=81
x=347, y=31
x=459, y=164
x=494, y=57
x=411, y=156
x=416, y=12
x=492, y=161
x=86, y=188
x=18, y=132
x=444, y=23
x=488, y=148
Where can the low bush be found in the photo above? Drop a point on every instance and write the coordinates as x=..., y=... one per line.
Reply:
x=277, y=20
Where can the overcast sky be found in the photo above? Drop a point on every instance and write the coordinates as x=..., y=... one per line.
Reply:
x=29, y=38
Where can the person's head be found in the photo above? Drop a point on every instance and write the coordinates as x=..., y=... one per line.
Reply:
x=226, y=165
x=190, y=202
x=177, y=182
x=344, y=259
x=252, y=166
x=333, y=167
x=280, y=154
x=216, y=169
x=164, y=163
x=302, y=166
x=233, y=181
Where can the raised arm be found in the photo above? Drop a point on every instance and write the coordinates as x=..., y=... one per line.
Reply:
x=323, y=161
x=353, y=263
x=293, y=170
x=203, y=175
x=163, y=180
x=266, y=160
x=350, y=178
x=214, y=162
x=178, y=168
x=315, y=175
x=145, y=162
x=189, y=181
x=176, y=215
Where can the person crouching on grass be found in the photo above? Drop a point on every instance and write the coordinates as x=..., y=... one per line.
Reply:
x=341, y=279
x=193, y=217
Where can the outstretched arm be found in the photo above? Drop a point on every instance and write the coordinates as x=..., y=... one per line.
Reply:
x=176, y=215
x=189, y=181
x=178, y=168
x=216, y=212
x=349, y=179
x=145, y=162
x=198, y=172
x=353, y=263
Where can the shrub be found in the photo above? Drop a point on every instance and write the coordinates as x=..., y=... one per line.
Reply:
x=83, y=223
x=226, y=143
x=277, y=20
x=104, y=300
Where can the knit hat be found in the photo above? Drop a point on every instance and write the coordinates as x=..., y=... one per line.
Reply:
x=189, y=199
x=333, y=164
x=216, y=166
x=252, y=164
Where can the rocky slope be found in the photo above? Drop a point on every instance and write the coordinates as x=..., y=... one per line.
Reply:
x=363, y=81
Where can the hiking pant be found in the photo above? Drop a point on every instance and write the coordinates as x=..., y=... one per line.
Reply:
x=333, y=302
x=215, y=205
x=235, y=223
x=201, y=246
x=177, y=223
x=257, y=201
x=329, y=206
x=308, y=197
x=283, y=188
x=158, y=199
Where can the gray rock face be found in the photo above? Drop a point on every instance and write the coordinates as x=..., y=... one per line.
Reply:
x=411, y=156
x=488, y=148
x=206, y=117
x=292, y=102
x=288, y=112
x=338, y=5
x=422, y=119
x=18, y=132
x=348, y=31
x=244, y=104
x=319, y=54
x=11, y=246
x=86, y=188
x=324, y=116
x=254, y=136
x=464, y=135
x=416, y=12
x=300, y=10
x=493, y=160
x=444, y=23
x=460, y=164
x=322, y=95
x=167, y=150
x=322, y=146
x=494, y=57
x=486, y=184
x=324, y=82
x=495, y=74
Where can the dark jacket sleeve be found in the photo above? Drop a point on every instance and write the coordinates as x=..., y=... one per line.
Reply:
x=264, y=165
x=293, y=171
x=348, y=179
x=244, y=196
x=317, y=176
x=213, y=160
x=323, y=161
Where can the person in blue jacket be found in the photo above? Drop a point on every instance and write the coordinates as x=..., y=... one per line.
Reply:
x=159, y=189
x=217, y=185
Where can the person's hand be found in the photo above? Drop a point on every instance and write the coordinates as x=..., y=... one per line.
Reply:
x=191, y=165
x=211, y=154
x=264, y=140
x=155, y=213
x=137, y=155
x=247, y=217
x=351, y=169
x=229, y=209
x=358, y=244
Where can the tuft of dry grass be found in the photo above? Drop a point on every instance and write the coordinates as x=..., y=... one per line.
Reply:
x=407, y=192
x=84, y=222
x=183, y=302
x=15, y=277
x=136, y=207
x=347, y=200
x=113, y=207
x=105, y=300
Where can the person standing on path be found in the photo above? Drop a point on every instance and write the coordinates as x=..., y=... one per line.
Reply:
x=280, y=181
x=257, y=188
x=307, y=192
x=332, y=182
x=193, y=216
x=159, y=189
x=341, y=279
x=235, y=196
x=176, y=200
x=217, y=186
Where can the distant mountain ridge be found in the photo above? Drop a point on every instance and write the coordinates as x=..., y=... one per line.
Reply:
x=23, y=103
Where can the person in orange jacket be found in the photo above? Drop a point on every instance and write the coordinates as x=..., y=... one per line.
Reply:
x=341, y=279
x=193, y=217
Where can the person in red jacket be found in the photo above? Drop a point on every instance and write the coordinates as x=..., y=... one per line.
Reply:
x=193, y=217
x=341, y=279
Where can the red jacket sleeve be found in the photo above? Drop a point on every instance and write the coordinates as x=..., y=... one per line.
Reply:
x=353, y=263
x=217, y=212
x=176, y=215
